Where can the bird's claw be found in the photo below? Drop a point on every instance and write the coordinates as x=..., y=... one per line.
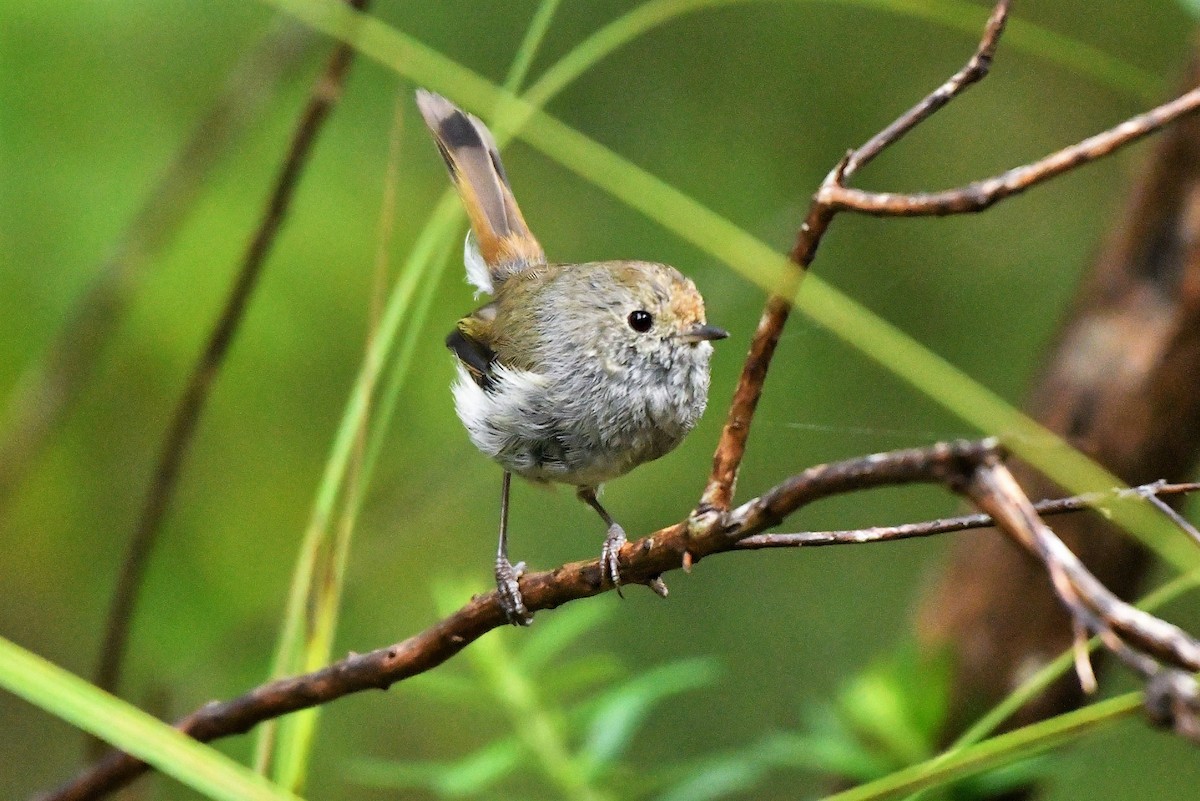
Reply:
x=610, y=556
x=509, y=591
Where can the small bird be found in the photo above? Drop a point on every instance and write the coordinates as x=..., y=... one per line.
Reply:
x=574, y=373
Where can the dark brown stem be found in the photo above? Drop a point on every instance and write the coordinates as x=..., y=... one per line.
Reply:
x=1139, y=639
x=186, y=415
x=1118, y=384
x=969, y=467
x=713, y=528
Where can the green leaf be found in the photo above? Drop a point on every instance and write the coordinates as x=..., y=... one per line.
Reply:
x=900, y=704
x=831, y=747
x=620, y=713
x=126, y=727
x=469, y=776
x=721, y=778
x=581, y=675
x=559, y=631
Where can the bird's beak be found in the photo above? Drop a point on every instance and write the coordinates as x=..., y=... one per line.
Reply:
x=703, y=333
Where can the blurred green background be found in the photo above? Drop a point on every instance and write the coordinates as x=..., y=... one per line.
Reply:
x=744, y=108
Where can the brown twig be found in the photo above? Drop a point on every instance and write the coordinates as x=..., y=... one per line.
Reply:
x=1056, y=506
x=975, y=70
x=718, y=494
x=969, y=467
x=980, y=195
x=186, y=415
x=1118, y=383
x=642, y=561
x=1142, y=641
x=45, y=393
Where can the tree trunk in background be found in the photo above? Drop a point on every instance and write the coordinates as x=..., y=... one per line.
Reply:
x=1122, y=384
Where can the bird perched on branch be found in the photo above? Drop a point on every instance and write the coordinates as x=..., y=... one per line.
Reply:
x=574, y=373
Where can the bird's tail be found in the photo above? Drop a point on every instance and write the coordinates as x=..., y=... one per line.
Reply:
x=501, y=235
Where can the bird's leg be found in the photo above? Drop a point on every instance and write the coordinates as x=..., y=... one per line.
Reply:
x=507, y=574
x=611, y=554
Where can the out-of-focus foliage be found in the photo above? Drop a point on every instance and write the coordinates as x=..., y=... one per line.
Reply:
x=892, y=715
x=743, y=107
x=572, y=719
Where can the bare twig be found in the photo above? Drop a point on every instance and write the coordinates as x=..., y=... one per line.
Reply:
x=642, y=561
x=191, y=404
x=975, y=70
x=1139, y=639
x=718, y=494
x=1118, y=383
x=1178, y=519
x=969, y=467
x=980, y=195
x=945, y=525
x=46, y=390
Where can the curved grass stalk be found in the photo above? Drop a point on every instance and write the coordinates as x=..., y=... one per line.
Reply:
x=1000, y=750
x=124, y=726
x=1071, y=54
x=310, y=622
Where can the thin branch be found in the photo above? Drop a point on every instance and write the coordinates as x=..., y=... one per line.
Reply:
x=642, y=561
x=980, y=195
x=1179, y=520
x=188, y=410
x=946, y=525
x=975, y=70
x=1136, y=637
x=732, y=446
x=718, y=494
x=972, y=468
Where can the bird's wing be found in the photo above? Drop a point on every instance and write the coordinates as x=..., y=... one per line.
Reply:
x=471, y=342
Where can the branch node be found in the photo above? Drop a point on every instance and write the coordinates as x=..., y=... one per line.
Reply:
x=1173, y=702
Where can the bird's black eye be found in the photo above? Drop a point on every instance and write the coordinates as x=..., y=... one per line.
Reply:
x=640, y=321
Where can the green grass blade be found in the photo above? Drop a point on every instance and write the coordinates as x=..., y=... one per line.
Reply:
x=1054, y=670
x=65, y=695
x=1022, y=36
x=998, y=751
x=530, y=44
x=287, y=745
x=1072, y=54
